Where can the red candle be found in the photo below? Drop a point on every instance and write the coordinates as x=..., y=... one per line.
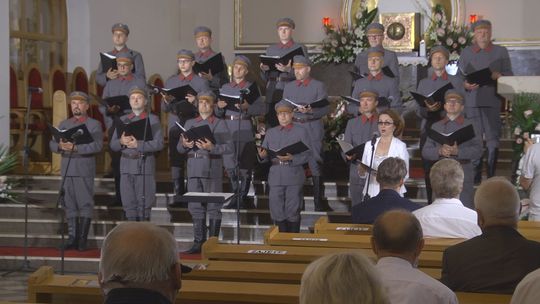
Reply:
x=326, y=21
x=473, y=18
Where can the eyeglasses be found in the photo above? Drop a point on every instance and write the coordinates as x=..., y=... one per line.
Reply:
x=385, y=123
x=184, y=61
x=453, y=101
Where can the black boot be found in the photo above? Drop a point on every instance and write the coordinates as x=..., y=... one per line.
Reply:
x=477, y=164
x=493, y=156
x=199, y=235
x=73, y=233
x=179, y=190
x=318, y=190
x=233, y=179
x=84, y=223
x=293, y=227
x=282, y=225
x=214, y=228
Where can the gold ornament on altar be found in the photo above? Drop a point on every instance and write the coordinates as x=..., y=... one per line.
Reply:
x=396, y=31
x=402, y=31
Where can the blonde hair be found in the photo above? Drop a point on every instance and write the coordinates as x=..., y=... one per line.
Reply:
x=342, y=278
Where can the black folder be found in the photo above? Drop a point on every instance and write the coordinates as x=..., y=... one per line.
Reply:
x=388, y=72
x=459, y=136
x=183, y=108
x=67, y=135
x=135, y=129
x=251, y=96
x=321, y=103
x=179, y=93
x=350, y=150
x=381, y=101
x=108, y=61
x=293, y=149
x=214, y=64
x=271, y=61
x=436, y=96
x=122, y=101
x=198, y=133
x=481, y=77
x=355, y=75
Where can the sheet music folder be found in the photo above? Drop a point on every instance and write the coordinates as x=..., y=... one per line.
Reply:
x=213, y=64
x=271, y=61
x=67, y=134
x=135, y=129
x=122, y=101
x=350, y=150
x=231, y=100
x=108, y=61
x=436, y=96
x=481, y=77
x=206, y=197
x=198, y=133
x=381, y=101
x=296, y=148
x=459, y=136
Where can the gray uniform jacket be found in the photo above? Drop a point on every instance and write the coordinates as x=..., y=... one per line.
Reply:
x=280, y=137
x=385, y=86
x=279, y=49
x=204, y=163
x=358, y=131
x=119, y=86
x=130, y=165
x=138, y=66
x=218, y=79
x=83, y=161
x=197, y=83
x=306, y=92
x=390, y=60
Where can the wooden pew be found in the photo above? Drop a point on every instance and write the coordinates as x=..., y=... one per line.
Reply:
x=274, y=237
x=213, y=250
x=46, y=287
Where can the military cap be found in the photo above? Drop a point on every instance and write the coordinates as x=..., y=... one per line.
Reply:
x=301, y=61
x=285, y=22
x=202, y=31
x=124, y=57
x=368, y=93
x=120, y=27
x=452, y=93
x=283, y=106
x=78, y=95
x=243, y=60
x=185, y=54
x=375, y=52
x=375, y=29
x=439, y=49
x=137, y=90
x=484, y=23
x=206, y=95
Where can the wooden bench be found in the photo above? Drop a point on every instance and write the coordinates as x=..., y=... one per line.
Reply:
x=274, y=237
x=46, y=287
x=213, y=250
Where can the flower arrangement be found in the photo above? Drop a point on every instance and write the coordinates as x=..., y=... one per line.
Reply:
x=8, y=161
x=450, y=35
x=525, y=120
x=334, y=126
x=343, y=43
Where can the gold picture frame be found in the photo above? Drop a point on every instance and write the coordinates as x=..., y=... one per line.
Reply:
x=402, y=31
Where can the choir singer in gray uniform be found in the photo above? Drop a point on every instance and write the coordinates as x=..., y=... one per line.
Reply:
x=138, y=163
x=360, y=130
x=203, y=40
x=465, y=152
x=242, y=129
x=186, y=76
x=305, y=91
x=483, y=104
x=286, y=177
x=205, y=168
x=79, y=185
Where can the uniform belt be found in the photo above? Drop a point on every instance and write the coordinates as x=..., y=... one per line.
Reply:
x=135, y=155
x=281, y=162
x=304, y=120
x=66, y=155
x=464, y=161
x=201, y=155
x=236, y=117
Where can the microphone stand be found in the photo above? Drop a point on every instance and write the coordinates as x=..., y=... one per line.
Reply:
x=237, y=167
x=60, y=203
x=143, y=155
x=366, y=196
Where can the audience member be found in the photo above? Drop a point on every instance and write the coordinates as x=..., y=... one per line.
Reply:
x=496, y=260
x=397, y=241
x=446, y=217
x=529, y=179
x=139, y=272
x=528, y=290
x=341, y=278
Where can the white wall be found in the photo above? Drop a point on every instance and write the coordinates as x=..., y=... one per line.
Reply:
x=4, y=67
x=78, y=33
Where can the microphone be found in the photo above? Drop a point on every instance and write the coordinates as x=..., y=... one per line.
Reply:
x=77, y=134
x=35, y=90
x=374, y=138
x=245, y=91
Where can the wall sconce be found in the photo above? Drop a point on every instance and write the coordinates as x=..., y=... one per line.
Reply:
x=473, y=18
x=326, y=21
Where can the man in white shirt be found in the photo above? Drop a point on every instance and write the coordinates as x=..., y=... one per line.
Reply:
x=397, y=241
x=446, y=217
x=530, y=180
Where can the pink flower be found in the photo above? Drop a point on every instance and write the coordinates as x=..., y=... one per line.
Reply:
x=462, y=40
x=440, y=32
x=519, y=140
x=527, y=113
x=438, y=17
x=454, y=46
x=449, y=41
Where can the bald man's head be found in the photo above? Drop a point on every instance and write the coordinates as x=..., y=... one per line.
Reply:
x=397, y=232
x=497, y=203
